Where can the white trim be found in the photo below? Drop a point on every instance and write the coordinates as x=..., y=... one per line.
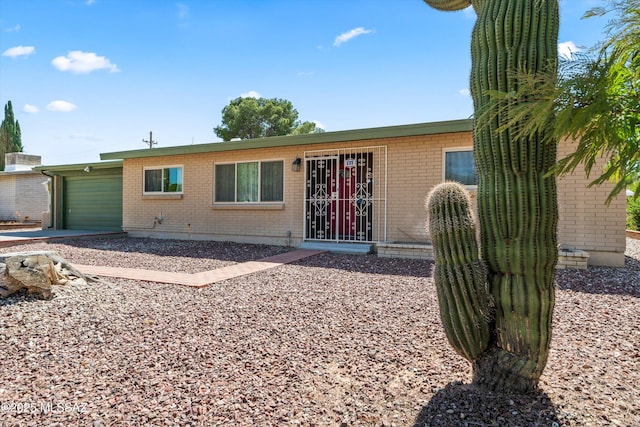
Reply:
x=162, y=168
x=235, y=183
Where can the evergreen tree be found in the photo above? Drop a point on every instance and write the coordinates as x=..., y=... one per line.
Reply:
x=248, y=118
x=10, y=134
x=17, y=140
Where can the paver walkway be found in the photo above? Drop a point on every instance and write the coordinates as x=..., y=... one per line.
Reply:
x=198, y=280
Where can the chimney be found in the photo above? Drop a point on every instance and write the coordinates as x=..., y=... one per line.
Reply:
x=20, y=162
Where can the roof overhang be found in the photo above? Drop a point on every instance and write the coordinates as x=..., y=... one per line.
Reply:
x=20, y=172
x=79, y=167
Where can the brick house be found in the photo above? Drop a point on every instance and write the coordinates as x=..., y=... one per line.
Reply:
x=346, y=187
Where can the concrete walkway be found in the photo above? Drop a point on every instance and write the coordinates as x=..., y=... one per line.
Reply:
x=12, y=238
x=198, y=280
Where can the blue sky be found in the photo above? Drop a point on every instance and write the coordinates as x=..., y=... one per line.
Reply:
x=92, y=76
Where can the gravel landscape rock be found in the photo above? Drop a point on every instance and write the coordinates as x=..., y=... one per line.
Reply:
x=331, y=340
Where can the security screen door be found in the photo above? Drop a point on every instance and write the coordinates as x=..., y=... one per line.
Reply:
x=341, y=203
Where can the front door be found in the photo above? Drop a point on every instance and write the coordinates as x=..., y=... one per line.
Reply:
x=339, y=197
x=321, y=198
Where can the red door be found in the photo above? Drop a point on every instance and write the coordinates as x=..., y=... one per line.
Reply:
x=338, y=197
x=347, y=180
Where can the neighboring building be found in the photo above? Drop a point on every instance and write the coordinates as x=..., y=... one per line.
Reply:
x=24, y=194
x=356, y=186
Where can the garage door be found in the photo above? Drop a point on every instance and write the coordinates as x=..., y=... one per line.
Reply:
x=93, y=203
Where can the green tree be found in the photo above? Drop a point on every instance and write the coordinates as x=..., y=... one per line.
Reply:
x=307, y=127
x=595, y=101
x=10, y=134
x=248, y=118
x=503, y=327
x=633, y=208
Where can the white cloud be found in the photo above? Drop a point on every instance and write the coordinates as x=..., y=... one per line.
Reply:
x=28, y=108
x=251, y=94
x=568, y=49
x=469, y=12
x=62, y=106
x=89, y=2
x=83, y=62
x=464, y=92
x=183, y=11
x=319, y=125
x=345, y=37
x=305, y=73
x=14, y=52
x=13, y=29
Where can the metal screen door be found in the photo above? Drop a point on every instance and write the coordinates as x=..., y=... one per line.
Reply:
x=339, y=197
x=321, y=198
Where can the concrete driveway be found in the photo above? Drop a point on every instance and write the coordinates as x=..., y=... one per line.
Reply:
x=12, y=238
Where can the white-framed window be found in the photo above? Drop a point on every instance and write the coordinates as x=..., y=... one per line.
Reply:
x=160, y=180
x=459, y=165
x=249, y=182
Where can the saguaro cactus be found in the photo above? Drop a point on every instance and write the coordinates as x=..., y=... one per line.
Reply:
x=517, y=202
x=460, y=275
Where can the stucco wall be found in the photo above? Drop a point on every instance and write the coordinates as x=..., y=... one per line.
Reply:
x=21, y=195
x=414, y=166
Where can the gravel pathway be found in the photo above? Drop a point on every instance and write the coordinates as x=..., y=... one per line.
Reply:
x=332, y=340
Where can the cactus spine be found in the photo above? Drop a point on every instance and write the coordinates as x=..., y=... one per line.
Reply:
x=517, y=202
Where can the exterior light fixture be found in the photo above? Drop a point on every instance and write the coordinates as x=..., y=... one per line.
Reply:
x=295, y=166
x=87, y=169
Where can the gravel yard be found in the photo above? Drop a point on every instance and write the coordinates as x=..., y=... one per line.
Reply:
x=331, y=340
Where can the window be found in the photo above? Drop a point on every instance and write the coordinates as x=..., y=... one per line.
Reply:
x=225, y=177
x=460, y=166
x=163, y=180
x=249, y=182
x=271, y=178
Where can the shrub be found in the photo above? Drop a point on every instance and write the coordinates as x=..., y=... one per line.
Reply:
x=633, y=214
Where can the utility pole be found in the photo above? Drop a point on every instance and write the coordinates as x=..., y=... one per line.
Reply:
x=151, y=142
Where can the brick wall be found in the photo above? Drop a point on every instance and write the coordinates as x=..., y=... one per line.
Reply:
x=194, y=215
x=586, y=223
x=7, y=196
x=414, y=166
x=22, y=195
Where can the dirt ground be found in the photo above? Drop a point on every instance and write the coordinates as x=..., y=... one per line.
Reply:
x=331, y=340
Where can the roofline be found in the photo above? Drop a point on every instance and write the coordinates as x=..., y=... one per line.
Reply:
x=464, y=125
x=18, y=172
x=79, y=166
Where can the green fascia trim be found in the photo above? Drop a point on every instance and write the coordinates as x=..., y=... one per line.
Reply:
x=117, y=164
x=14, y=173
x=433, y=128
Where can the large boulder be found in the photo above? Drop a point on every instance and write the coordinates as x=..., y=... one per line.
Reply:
x=35, y=273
